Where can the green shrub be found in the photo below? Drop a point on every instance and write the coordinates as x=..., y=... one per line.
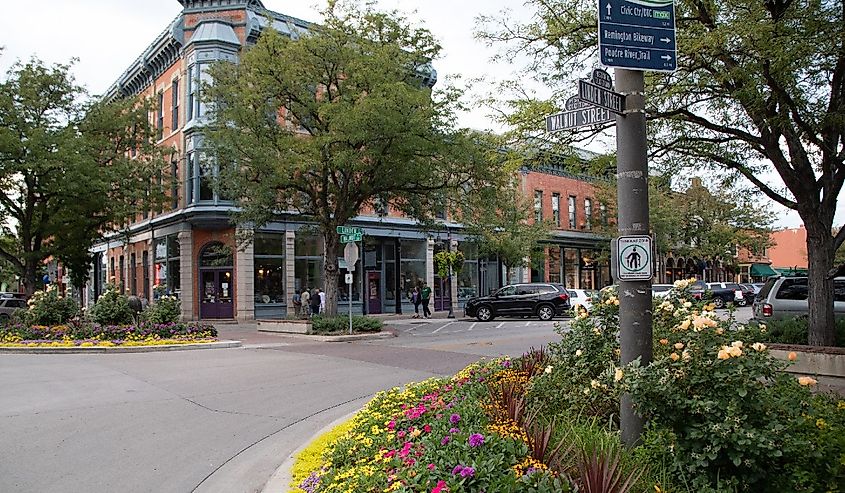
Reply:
x=794, y=331
x=340, y=324
x=48, y=308
x=111, y=308
x=166, y=309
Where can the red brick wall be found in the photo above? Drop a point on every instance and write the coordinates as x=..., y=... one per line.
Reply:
x=551, y=184
x=789, y=249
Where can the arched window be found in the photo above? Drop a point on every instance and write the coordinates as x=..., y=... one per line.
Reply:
x=216, y=254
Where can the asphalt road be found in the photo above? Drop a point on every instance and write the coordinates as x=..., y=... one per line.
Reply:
x=213, y=420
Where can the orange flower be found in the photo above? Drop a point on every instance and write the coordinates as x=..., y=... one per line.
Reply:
x=664, y=341
x=807, y=381
x=792, y=356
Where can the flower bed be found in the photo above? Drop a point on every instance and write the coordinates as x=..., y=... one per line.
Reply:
x=469, y=433
x=91, y=334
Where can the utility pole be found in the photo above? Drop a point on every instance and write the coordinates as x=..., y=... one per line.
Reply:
x=635, y=331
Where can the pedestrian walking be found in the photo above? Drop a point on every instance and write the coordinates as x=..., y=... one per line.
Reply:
x=306, y=302
x=315, y=302
x=425, y=295
x=416, y=300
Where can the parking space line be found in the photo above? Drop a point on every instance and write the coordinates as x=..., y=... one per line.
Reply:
x=527, y=324
x=472, y=326
x=500, y=325
x=442, y=327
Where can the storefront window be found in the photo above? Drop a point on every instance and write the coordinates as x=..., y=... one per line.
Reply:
x=269, y=289
x=308, y=263
x=412, y=265
x=166, y=276
x=468, y=278
x=554, y=264
x=588, y=269
x=570, y=264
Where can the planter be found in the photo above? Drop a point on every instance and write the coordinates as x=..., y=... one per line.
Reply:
x=827, y=365
x=285, y=326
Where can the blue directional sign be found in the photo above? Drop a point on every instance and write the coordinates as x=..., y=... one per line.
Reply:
x=638, y=34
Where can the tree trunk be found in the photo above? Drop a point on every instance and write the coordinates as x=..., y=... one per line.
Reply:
x=330, y=270
x=820, y=252
x=29, y=278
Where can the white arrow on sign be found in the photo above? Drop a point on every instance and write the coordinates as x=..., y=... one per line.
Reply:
x=609, y=10
x=666, y=40
x=666, y=57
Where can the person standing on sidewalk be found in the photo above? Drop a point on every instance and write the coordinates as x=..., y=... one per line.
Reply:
x=415, y=299
x=306, y=302
x=426, y=297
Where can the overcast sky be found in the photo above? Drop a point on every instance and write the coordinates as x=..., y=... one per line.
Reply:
x=107, y=35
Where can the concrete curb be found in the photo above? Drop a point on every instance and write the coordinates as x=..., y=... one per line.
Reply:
x=119, y=349
x=344, y=338
x=279, y=482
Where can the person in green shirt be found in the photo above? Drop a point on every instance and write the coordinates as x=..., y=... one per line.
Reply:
x=425, y=295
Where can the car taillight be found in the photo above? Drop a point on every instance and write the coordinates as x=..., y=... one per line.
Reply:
x=767, y=310
x=563, y=296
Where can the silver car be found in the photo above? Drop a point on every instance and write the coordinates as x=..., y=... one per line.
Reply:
x=786, y=297
x=8, y=306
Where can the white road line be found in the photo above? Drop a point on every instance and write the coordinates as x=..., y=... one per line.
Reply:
x=500, y=325
x=472, y=326
x=527, y=324
x=442, y=327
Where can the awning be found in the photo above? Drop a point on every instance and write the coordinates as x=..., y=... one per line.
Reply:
x=792, y=271
x=762, y=270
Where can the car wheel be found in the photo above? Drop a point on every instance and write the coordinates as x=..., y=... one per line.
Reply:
x=484, y=314
x=546, y=312
x=741, y=303
x=718, y=302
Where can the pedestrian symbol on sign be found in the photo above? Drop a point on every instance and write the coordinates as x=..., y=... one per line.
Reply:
x=633, y=258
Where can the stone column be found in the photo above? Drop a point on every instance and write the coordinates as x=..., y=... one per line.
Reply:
x=245, y=281
x=429, y=265
x=186, y=274
x=290, y=269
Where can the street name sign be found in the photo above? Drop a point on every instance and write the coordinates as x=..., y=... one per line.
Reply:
x=638, y=34
x=588, y=115
x=602, y=78
x=601, y=96
x=349, y=230
x=633, y=258
x=351, y=238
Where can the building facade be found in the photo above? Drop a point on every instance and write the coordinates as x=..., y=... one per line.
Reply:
x=190, y=249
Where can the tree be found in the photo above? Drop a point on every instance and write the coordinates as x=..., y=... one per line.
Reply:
x=760, y=87
x=341, y=118
x=698, y=221
x=500, y=218
x=66, y=168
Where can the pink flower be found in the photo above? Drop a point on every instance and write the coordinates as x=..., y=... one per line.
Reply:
x=430, y=466
x=440, y=488
x=427, y=428
x=406, y=449
x=391, y=425
x=445, y=440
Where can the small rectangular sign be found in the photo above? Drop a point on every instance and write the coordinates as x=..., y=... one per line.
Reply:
x=633, y=258
x=348, y=278
x=599, y=96
x=348, y=230
x=590, y=115
x=349, y=238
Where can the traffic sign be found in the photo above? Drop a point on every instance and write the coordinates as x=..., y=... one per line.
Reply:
x=348, y=278
x=589, y=115
x=600, y=96
x=351, y=238
x=350, y=255
x=349, y=230
x=633, y=258
x=638, y=34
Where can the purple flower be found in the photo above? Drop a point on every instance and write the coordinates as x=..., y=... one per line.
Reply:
x=445, y=440
x=454, y=418
x=454, y=430
x=457, y=470
x=467, y=472
x=476, y=439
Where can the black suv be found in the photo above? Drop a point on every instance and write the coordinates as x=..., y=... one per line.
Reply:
x=543, y=300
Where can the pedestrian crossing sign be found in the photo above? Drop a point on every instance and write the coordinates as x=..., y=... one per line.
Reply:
x=633, y=258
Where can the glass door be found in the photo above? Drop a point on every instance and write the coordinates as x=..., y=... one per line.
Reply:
x=216, y=293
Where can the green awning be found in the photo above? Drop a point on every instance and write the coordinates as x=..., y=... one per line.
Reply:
x=762, y=270
x=792, y=271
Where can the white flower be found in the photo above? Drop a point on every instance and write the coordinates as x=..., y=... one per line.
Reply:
x=548, y=370
x=578, y=352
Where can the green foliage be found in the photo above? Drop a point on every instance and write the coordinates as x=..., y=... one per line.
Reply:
x=111, y=308
x=355, y=86
x=340, y=324
x=166, y=309
x=48, y=308
x=794, y=331
x=446, y=259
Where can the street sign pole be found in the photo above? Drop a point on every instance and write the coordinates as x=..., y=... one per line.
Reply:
x=350, y=255
x=635, y=327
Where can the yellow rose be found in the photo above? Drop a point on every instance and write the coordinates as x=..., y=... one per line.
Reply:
x=679, y=345
x=735, y=351
x=737, y=344
x=723, y=353
x=674, y=357
x=664, y=341
x=685, y=324
x=807, y=381
x=759, y=347
x=685, y=355
x=594, y=384
x=578, y=352
x=617, y=376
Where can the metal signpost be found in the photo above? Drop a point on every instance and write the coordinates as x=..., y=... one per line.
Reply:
x=350, y=254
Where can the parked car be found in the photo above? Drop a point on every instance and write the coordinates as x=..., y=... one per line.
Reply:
x=660, y=290
x=786, y=297
x=8, y=305
x=748, y=293
x=757, y=287
x=723, y=293
x=543, y=300
x=581, y=298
